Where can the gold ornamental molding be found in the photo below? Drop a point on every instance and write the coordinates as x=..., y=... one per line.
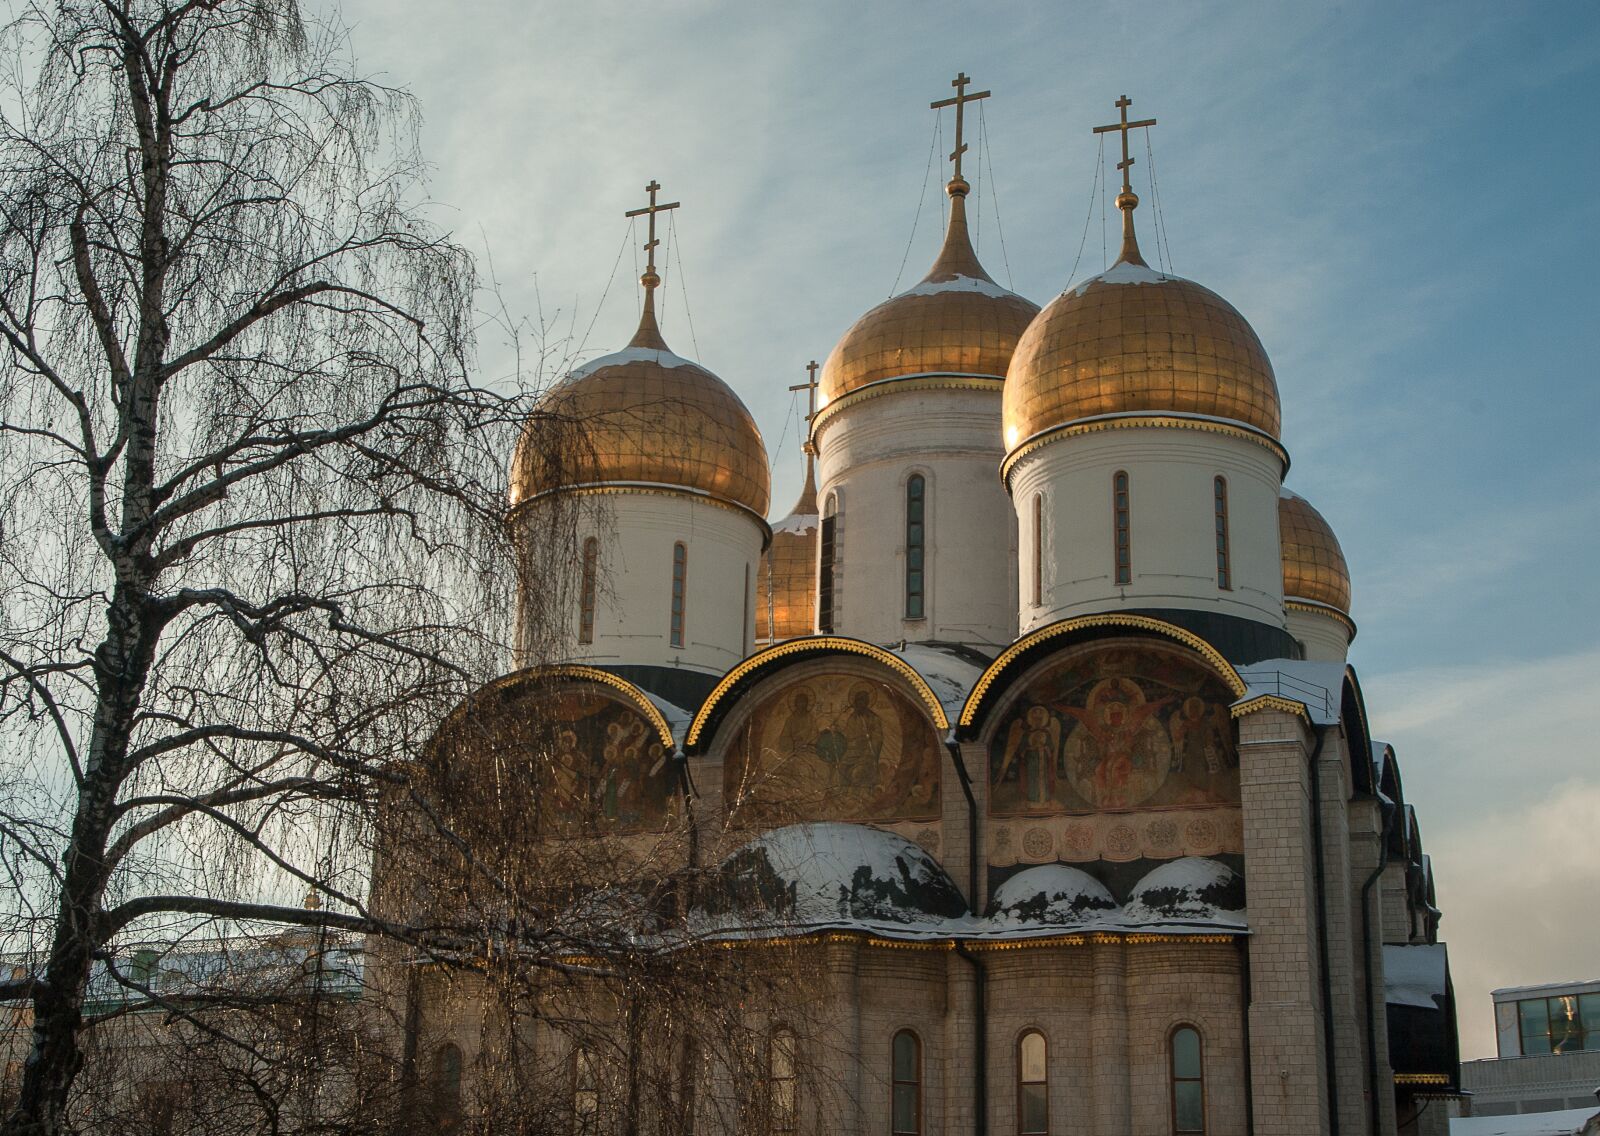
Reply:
x=1137, y=422
x=1262, y=702
x=1314, y=607
x=810, y=645
x=1068, y=939
x=577, y=673
x=1421, y=1079
x=1224, y=669
x=648, y=489
x=921, y=382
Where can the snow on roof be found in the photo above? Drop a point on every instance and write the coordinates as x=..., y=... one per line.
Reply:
x=629, y=355
x=959, y=284
x=1567, y=1122
x=830, y=876
x=1124, y=272
x=1414, y=974
x=796, y=523
x=1316, y=684
x=949, y=675
x=1190, y=889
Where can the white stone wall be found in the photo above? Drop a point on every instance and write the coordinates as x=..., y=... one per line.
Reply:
x=1174, y=563
x=867, y=452
x=633, y=609
x=1325, y=639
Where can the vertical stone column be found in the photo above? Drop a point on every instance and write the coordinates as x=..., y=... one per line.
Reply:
x=1287, y=1069
x=960, y=1021
x=1108, y=1039
x=1366, y=834
x=844, y=960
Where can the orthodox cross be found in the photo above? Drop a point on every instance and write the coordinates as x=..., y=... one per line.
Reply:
x=650, y=245
x=1126, y=165
x=810, y=387
x=959, y=102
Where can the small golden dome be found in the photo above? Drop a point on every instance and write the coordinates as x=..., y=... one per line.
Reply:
x=1313, y=564
x=958, y=321
x=643, y=416
x=786, y=592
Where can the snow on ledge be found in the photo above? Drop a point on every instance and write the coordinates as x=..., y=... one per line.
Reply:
x=629, y=355
x=960, y=284
x=1567, y=1122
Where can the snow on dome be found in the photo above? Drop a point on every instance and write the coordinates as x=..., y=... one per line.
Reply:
x=1052, y=894
x=1188, y=890
x=805, y=876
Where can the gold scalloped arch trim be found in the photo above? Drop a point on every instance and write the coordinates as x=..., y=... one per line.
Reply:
x=579, y=673
x=974, y=703
x=1135, y=422
x=816, y=644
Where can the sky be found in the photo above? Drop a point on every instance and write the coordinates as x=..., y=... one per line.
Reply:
x=1400, y=198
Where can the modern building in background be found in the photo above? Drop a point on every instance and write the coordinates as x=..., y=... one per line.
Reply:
x=1548, y=1039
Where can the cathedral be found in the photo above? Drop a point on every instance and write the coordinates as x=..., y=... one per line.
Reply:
x=1034, y=716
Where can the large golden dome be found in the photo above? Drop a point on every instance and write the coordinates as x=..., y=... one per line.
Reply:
x=643, y=417
x=1314, y=568
x=957, y=321
x=1136, y=341
x=786, y=591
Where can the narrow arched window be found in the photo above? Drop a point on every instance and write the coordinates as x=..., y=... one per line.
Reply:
x=444, y=1088
x=1033, y=1085
x=906, y=1101
x=1124, y=534
x=916, y=534
x=828, y=552
x=1188, y=1082
x=680, y=582
x=1219, y=496
x=782, y=1103
x=586, y=590
x=1038, y=549
x=585, y=1094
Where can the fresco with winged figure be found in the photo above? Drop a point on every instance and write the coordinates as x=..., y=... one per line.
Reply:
x=1121, y=727
x=834, y=747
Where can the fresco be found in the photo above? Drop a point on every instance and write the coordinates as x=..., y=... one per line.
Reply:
x=835, y=747
x=607, y=767
x=1110, y=728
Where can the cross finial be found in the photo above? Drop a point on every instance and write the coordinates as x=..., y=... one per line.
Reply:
x=810, y=387
x=649, y=335
x=650, y=279
x=960, y=102
x=1127, y=200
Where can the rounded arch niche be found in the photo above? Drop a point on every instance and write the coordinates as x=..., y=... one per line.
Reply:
x=1113, y=725
x=835, y=737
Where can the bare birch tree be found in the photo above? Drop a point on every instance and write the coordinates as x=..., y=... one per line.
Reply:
x=250, y=499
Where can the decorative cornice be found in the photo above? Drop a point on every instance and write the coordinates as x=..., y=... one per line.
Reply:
x=1263, y=702
x=1421, y=1079
x=815, y=644
x=648, y=489
x=918, y=382
x=1225, y=669
x=1104, y=422
x=1070, y=939
x=1316, y=607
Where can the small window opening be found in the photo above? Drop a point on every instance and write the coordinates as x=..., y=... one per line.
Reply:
x=1124, y=536
x=586, y=590
x=680, y=576
x=916, y=530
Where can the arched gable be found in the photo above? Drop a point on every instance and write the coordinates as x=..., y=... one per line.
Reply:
x=764, y=662
x=1021, y=655
x=549, y=748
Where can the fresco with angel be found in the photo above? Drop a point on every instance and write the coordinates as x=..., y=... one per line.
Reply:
x=1115, y=727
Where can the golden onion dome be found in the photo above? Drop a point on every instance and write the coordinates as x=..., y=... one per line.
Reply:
x=1314, y=568
x=957, y=321
x=1136, y=341
x=786, y=592
x=648, y=418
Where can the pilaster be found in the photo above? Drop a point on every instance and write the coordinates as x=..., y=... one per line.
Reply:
x=1108, y=1040
x=1287, y=1065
